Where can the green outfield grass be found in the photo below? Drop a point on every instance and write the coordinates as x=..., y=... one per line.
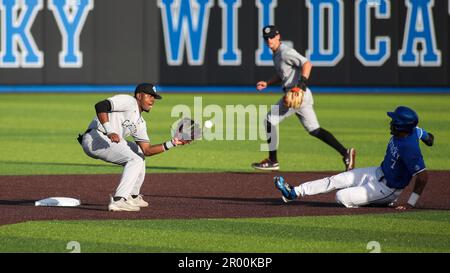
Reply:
x=400, y=232
x=38, y=131
x=37, y=136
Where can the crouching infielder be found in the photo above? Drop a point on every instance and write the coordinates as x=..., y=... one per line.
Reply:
x=119, y=117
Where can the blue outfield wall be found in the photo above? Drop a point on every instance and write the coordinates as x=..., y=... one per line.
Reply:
x=213, y=43
x=12, y=89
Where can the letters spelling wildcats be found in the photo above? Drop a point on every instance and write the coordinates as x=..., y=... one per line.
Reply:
x=181, y=34
x=180, y=15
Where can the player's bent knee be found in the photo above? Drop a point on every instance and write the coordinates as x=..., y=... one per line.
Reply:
x=343, y=198
x=137, y=160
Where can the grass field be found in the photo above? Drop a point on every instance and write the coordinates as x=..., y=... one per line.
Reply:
x=37, y=136
x=407, y=232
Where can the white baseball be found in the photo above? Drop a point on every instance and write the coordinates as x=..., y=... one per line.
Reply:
x=208, y=124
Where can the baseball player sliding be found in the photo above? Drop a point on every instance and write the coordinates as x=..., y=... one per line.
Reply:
x=379, y=185
x=293, y=72
x=117, y=118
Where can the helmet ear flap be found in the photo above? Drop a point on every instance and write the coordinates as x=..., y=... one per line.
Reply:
x=393, y=129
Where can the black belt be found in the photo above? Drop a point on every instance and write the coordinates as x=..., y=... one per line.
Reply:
x=80, y=136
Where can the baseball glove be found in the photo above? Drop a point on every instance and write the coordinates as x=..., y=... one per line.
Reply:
x=187, y=130
x=293, y=98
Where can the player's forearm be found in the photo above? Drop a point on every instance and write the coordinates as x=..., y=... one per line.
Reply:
x=419, y=185
x=304, y=76
x=104, y=120
x=421, y=182
x=427, y=138
x=306, y=69
x=154, y=150
x=150, y=150
x=274, y=80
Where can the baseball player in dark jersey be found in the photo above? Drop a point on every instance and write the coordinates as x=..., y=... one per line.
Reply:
x=119, y=117
x=293, y=70
x=379, y=185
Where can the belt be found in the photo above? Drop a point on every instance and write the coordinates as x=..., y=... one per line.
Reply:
x=382, y=179
x=80, y=136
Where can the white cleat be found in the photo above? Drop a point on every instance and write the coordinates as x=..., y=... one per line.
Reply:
x=138, y=201
x=122, y=205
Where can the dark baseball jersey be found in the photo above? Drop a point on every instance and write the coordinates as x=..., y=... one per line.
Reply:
x=403, y=159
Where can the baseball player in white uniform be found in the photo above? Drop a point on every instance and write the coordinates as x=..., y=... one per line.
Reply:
x=293, y=70
x=379, y=185
x=119, y=117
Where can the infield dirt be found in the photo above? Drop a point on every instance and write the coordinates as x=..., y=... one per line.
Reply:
x=187, y=196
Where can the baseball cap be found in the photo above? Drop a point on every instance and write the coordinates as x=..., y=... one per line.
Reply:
x=270, y=31
x=147, y=88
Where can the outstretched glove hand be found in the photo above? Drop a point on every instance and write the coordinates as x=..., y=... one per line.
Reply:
x=186, y=130
x=293, y=98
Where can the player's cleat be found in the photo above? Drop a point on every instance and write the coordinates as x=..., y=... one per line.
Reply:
x=122, y=205
x=266, y=165
x=287, y=191
x=349, y=159
x=138, y=201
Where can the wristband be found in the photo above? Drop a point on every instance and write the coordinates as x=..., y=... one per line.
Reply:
x=302, y=82
x=413, y=199
x=107, y=127
x=168, y=145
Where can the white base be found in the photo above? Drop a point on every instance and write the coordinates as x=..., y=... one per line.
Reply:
x=58, y=202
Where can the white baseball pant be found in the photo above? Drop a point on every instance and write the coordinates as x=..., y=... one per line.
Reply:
x=357, y=187
x=125, y=153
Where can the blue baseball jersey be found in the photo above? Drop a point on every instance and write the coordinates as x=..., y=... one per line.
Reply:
x=403, y=159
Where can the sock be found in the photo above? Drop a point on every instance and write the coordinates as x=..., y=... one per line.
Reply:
x=272, y=153
x=273, y=156
x=329, y=139
x=117, y=198
x=134, y=196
